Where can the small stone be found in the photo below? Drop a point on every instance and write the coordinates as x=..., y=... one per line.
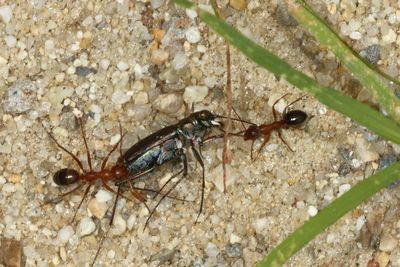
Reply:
x=179, y=61
x=360, y=222
x=158, y=34
x=84, y=71
x=343, y=189
x=20, y=97
x=388, y=243
x=382, y=259
x=312, y=211
x=386, y=161
x=168, y=103
x=156, y=3
x=191, y=13
x=122, y=66
x=218, y=178
x=142, y=98
x=139, y=112
x=65, y=234
x=284, y=17
x=234, y=250
x=389, y=37
x=163, y=256
x=119, y=97
x=104, y=63
x=238, y=4
x=11, y=41
x=260, y=224
x=5, y=14
x=234, y=239
x=195, y=93
x=159, y=56
x=86, y=227
x=365, y=150
x=355, y=35
x=119, y=224
x=193, y=35
x=9, y=188
x=96, y=208
x=372, y=54
x=11, y=252
x=344, y=169
x=132, y=221
x=212, y=250
x=103, y=195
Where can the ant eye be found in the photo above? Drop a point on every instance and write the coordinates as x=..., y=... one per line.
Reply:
x=65, y=176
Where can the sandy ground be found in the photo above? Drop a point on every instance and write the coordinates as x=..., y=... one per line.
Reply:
x=134, y=62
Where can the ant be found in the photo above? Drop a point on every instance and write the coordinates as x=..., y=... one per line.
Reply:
x=290, y=119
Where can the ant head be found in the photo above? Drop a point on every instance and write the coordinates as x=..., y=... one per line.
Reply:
x=295, y=117
x=206, y=118
x=66, y=176
x=252, y=133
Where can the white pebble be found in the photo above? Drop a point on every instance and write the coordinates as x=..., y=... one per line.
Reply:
x=5, y=14
x=111, y=254
x=193, y=35
x=122, y=66
x=119, y=225
x=115, y=139
x=388, y=243
x=49, y=44
x=179, y=61
x=97, y=208
x=312, y=211
x=104, y=63
x=87, y=22
x=131, y=222
x=212, y=250
x=195, y=93
x=65, y=233
x=343, y=189
x=260, y=224
x=389, y=37
x=360, y=222
x=86, y=227
x=355, y=35
x=2, y=180
x=11, y=41
x=9, y=188
x=234, y=239
x=119, y=97
x=330, y=238
x=103, y=196
x=192, y=14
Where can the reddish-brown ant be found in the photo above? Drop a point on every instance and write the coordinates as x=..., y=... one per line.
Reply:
x=292, y=118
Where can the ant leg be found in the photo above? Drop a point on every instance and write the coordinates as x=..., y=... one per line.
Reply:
x=251, y=151
x=108, y=230
x=298, y=99
x=240, y=119
x=86, y=145
x=120, y=143
x=276, y=101
x=103, y=164
x=266, y=139
x=67, y=151
x=80, y=204
x=203, y=185
x=137, y=194
x=158, y=193
x=283, y=140
x=59, y=198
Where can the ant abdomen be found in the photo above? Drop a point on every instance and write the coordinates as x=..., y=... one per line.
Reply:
x=295, y=117
x=66, y=176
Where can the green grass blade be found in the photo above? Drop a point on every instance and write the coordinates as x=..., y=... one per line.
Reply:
x=359, y=112
x=339, y=207
x=327, y=37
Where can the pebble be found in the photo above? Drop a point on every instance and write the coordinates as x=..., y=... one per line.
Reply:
x=192, y=35
x=191, y=13
x=179, y=61
x=234, y=239
x=119, y=224
x=382, y=259
x=260, y=224
x=142, y=98
x=312, y=211
x=195, y=93
x=84, y=71
x=86, y=227
x=388, y=243
x=218, y=178
x=343, y=189
x=9, y=188
x=96, y=208
x=344, y=169
x=360, y=222
x=20, y=97
x=387, y=160
x=168, y=103
x=355, y=35
x=65, y=233
x=212, y=250
x=122, y=66
x=234, y=250
x=238, y=4
x=104, y=64
x=11, y=41
x=119, y=97
x=372, y=54
x=163, y=256
x=139, y=112
x=103, y=195
x=365, y=150
x=6, y=14
x=389, y=37
x=11, y=252
x=284, y=17
x=132, y=221
x=159, y=56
